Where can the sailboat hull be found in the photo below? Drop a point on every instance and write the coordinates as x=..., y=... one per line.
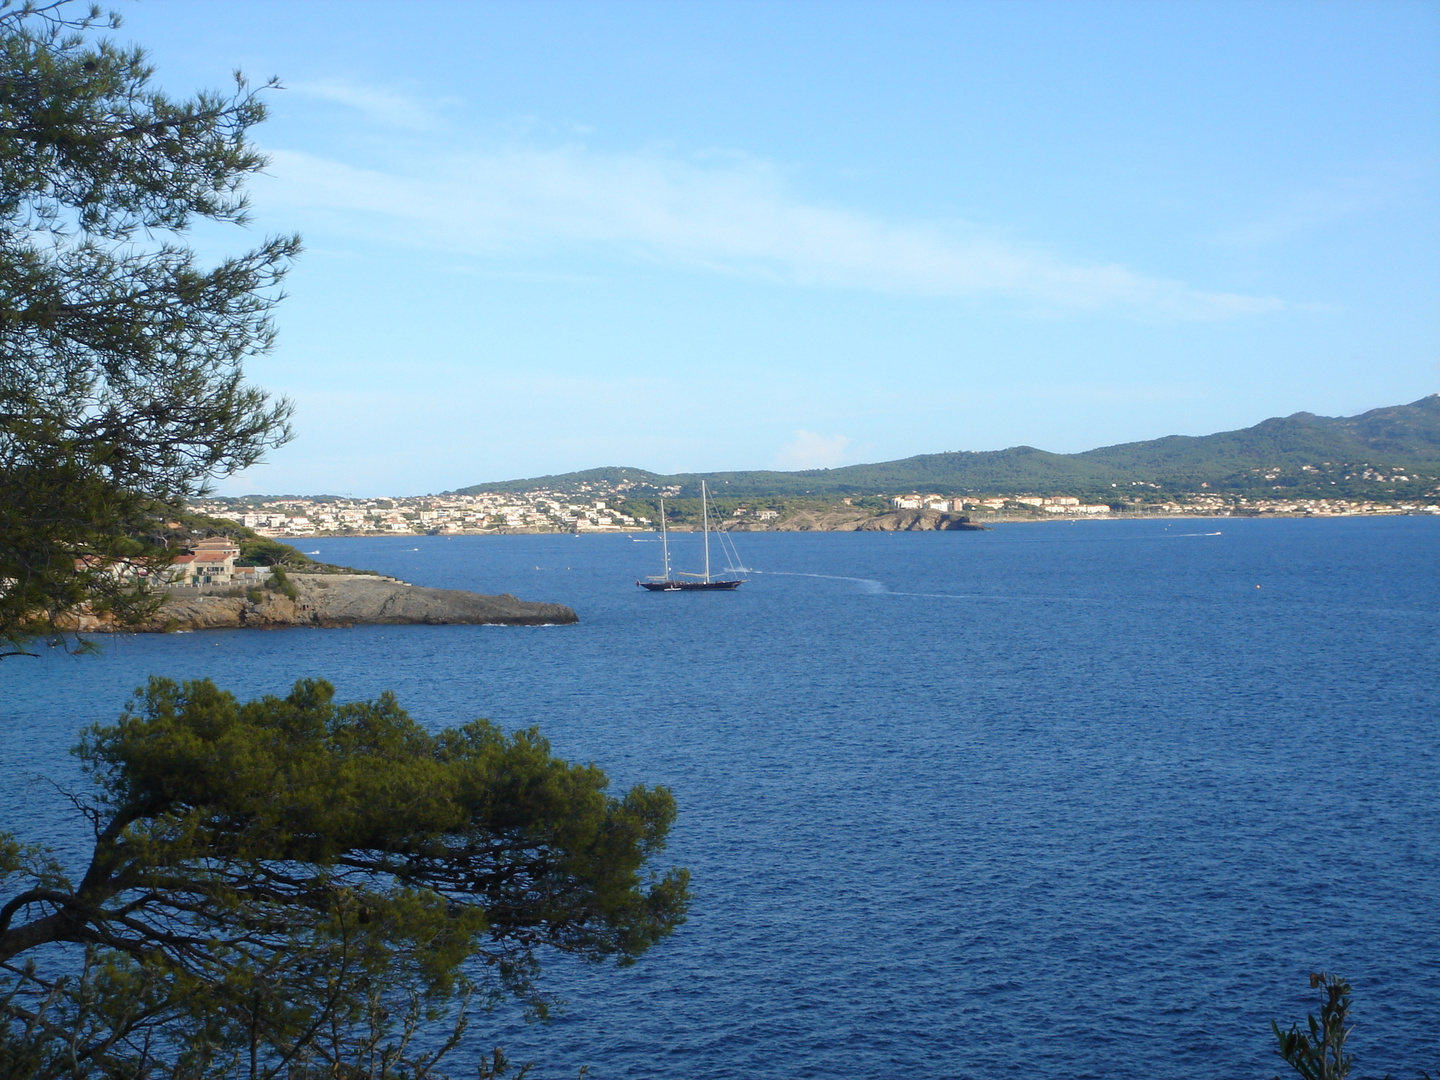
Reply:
x=696, y=582
x=688, y=586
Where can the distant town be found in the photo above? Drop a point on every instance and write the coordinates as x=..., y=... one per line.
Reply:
x=538, y=511
x=618, y=508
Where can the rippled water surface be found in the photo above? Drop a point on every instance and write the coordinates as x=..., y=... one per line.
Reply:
x=1056, y=800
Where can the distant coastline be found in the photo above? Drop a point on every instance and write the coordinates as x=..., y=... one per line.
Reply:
x=1385, y=461
x=982, y=523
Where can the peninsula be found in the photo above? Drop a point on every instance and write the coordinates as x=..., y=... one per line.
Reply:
x=229, y=577
x=334, y=600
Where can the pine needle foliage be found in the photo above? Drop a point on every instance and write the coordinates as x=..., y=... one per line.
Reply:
x=121, y=384
x=291, y=887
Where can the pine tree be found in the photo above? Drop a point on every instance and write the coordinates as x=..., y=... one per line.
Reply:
x=121, y=383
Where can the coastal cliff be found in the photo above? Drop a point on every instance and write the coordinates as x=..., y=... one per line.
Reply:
x=918, y=521
x=859, y=521
x=333, y=600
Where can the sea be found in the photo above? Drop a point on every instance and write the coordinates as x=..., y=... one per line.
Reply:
x=1056, y=800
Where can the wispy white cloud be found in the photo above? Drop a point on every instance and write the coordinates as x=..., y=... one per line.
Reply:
x=728, y=214
x=384, y=105
x=811, y=451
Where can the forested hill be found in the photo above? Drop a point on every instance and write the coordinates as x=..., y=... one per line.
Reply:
x=1303, y=447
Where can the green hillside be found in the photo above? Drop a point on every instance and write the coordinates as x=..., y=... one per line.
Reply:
x=1394, y=450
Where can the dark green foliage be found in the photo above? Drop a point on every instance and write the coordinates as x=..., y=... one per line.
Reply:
x=1337, y=448
x=681, y=511
x=121, y=392
x=262, y=551
x=874, y=504
x=604, y=478
x=1320, y=1054
x=280, y=582
x=294, y=884
x=685, y=511
x=67, y=537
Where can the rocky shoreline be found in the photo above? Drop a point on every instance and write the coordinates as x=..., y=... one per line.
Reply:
x=906, y=521
x=859, y=521
x=338, y=600
x=842, y=520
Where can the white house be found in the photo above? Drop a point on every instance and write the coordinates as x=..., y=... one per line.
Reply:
x=211, y=562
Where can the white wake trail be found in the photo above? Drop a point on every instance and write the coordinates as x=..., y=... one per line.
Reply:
x=871, y=587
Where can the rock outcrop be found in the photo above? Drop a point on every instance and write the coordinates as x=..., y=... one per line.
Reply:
x=842, y=520
x=846, y=520
x=329, y=600
x=918, y=521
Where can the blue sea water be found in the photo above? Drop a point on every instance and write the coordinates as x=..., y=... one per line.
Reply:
x=1053, y=801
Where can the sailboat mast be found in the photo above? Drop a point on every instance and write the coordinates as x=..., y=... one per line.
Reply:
x=664, y=538
x=705, y=517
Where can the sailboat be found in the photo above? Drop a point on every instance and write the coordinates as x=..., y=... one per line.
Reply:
x=680, y=581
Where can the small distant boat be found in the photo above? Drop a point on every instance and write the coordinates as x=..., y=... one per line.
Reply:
x=672, y=582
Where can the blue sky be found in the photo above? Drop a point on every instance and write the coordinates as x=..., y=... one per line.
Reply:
x=546, y=236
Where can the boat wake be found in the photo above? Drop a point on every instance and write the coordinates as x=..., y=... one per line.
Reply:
x=869, y=585
x=1108, y=539
x=872, y=587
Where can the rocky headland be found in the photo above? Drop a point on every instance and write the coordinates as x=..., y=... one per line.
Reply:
x=336, y=600
x=918, y=521
x=861, y=521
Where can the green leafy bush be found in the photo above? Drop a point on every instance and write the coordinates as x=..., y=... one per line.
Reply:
x=280, y=582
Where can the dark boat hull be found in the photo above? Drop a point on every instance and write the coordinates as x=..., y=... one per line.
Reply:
x=688, y=586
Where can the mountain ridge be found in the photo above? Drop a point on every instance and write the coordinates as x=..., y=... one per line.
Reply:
x=1403, y=437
